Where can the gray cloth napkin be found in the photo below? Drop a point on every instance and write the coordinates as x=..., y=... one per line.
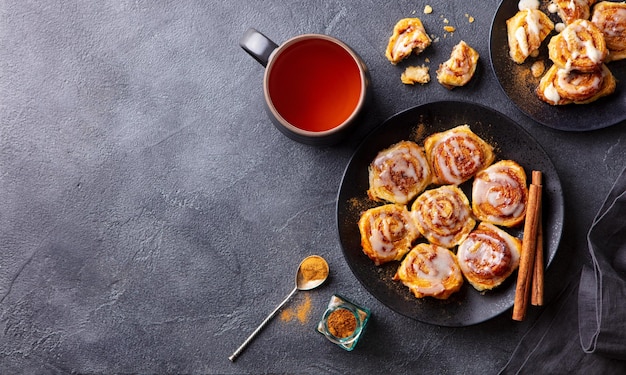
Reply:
x=583, y=331
x=602, y=290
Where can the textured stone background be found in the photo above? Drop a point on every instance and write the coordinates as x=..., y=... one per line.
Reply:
x=151, y=216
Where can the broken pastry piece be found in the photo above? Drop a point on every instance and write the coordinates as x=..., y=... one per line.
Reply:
x=611, y=20
x=560, y=86
x=460, y=68
x=415, y=74
x=526, y=30
x=409, y=36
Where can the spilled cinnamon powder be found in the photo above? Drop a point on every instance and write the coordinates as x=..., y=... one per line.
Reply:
x=300, y=312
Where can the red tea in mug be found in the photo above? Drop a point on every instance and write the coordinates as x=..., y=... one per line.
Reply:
x=315, y=84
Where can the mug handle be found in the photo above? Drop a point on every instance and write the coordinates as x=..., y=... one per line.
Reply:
x=257, y=45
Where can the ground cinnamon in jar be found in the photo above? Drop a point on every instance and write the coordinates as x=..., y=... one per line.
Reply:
x=341, y=323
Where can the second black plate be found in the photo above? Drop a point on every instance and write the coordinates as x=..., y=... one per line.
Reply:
x=468, y=306
x=519, y=85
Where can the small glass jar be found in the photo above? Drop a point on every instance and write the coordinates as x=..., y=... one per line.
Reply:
x=336, y=306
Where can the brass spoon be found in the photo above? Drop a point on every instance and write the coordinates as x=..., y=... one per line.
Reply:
x=302, y=283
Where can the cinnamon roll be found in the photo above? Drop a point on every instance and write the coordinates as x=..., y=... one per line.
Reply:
x=408, y=36
x=572, y=10
x=560, y=87
x=500, y=194
x=443, y=215
x=611, y=20
x=456, y=155
x=580, y=46
x=399, y=173
x=460, y=68
x=430, y=270
x=526, y=30
x=387, y=233
x=488, y=256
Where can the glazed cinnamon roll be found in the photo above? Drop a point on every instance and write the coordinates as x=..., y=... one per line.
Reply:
x=488, y=256
x=408, y=36
x=572, y=10
x=456, y=155
x=430, y=271
x=611, y=20
x=500, y=194
x=526, y=30
x=399, y=173
x=580, y=46
x=560, y=87
x=387, y=233
x=459, y=69
x=443, y=215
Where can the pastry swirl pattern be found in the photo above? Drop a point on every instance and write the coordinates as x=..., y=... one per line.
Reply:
x=399, y=173
x=580, y=46
x=456, y=155
x=500, y=194
x=430, y=271
x=572, y=10
x=443, y=215
x=561, y=87
x=610, y=18
x=488, y=256
x=387, y=233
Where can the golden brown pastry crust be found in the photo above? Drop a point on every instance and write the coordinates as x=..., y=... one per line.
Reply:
x=610, y=18
x=580, y=46
x=572, y=10
x=560, y=87
x=399, y=173
x=387, y=232
x=443, y=215
x=430, y=271
x=415, y=74
x=456, y=155
x=500, y=194
x=459, y=69
x=526, y=30
x=409, y=36
x=488, y=256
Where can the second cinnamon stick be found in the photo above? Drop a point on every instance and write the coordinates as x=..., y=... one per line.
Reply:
x=536, y=298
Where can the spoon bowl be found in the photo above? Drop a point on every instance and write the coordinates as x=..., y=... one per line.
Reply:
x=312, y=272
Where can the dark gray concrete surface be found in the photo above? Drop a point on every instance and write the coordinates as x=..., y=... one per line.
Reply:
x=151, y=216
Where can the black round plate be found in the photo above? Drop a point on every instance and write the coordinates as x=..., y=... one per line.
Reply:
x=519, y=85
x=468, y=306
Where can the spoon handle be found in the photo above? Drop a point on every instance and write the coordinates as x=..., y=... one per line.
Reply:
x=260, y=327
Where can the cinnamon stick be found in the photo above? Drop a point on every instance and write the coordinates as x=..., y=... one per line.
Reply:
x=529, y=240
x=536, y=298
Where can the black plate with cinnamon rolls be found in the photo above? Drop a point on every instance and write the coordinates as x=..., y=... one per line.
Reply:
x=547, y=85
x=412, y=290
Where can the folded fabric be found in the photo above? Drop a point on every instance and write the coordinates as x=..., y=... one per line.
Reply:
x=590, y=311
x=602, y=290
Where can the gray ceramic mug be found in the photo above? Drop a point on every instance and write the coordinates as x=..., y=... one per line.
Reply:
x=315, y=86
